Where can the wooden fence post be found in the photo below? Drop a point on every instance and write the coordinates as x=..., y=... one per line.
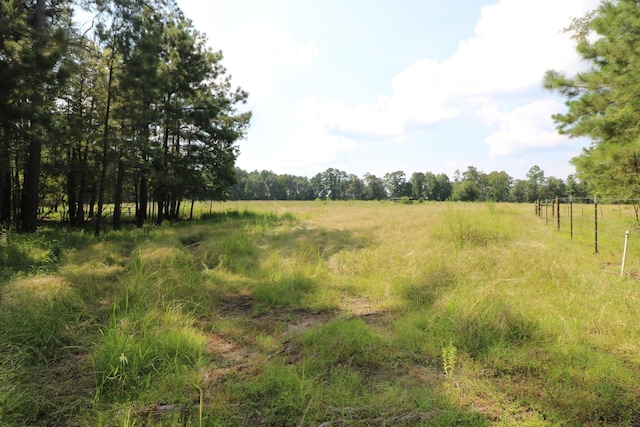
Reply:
x=571, y=215
x=546, y=211
x=558, y=211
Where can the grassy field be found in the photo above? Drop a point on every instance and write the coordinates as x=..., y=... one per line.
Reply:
x=320, y=314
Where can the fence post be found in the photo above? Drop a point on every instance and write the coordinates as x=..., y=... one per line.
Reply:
x=571, y=215
x=558, y=211
x=539, y=208
x=595, y=204
x=624, y=252
x=546, y=211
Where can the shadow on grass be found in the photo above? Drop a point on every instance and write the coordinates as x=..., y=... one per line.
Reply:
x=567, y=383
x=272, y=260
x=429, y=287
x=42, y=252
x=571, y=384
x=28, y=254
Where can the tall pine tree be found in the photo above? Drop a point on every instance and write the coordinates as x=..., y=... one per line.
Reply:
x=604, y=101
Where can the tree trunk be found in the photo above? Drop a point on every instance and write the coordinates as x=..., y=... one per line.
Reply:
x=31, y=188
x=160, y=215
x=5, y=180
x=144, y=197
x=92, y=202
x=117, y=209
x=82, y=190
x=105, y=151
x=16, y=192
x=173, y=208
x=71, y=196
x=161, y=191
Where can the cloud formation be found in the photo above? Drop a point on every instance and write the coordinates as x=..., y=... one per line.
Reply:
x=525, y=127
x=260, y=53
x=491, y=76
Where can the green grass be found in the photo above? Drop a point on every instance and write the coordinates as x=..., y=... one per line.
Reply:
x=304, y=313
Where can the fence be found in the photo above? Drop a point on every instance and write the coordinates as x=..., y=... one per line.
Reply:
x=610, y=226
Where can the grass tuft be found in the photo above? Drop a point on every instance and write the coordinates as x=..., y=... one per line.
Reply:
x=138, y=346
x=344, y=342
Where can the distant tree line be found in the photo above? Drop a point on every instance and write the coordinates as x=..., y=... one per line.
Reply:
x=470, y=185
x=133, y=108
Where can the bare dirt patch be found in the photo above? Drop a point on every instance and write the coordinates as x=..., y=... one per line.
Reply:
x=236, y=357
x=240, y=304
x=305, y=320
x=219, y=345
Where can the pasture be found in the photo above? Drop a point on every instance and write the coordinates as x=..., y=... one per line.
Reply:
x=320, y=314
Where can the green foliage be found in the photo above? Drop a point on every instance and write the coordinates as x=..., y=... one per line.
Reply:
x=602, y=101
x=449, y=354
x=83, y=105
x=396, y=184
x=466, y=191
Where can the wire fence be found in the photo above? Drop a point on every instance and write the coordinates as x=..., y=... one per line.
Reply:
x=610, y=227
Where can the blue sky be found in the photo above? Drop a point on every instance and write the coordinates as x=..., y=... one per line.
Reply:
x=413, y=85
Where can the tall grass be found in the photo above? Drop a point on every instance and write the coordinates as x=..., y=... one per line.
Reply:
x=362, y=313
x=137, y=346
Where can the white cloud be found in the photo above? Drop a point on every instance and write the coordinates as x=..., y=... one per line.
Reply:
x=258, y=50
x=516, y=41
x=526, y=127
x=309, y=147
x=487, y=109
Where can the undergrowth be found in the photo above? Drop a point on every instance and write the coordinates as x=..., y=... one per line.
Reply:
x=319, y=314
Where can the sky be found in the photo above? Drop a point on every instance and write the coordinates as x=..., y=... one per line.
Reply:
x=378, y=86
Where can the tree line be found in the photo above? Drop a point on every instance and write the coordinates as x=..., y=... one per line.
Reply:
x=134, y=107
x=470, y=185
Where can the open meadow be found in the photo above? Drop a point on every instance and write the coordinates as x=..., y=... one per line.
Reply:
x=321, y=314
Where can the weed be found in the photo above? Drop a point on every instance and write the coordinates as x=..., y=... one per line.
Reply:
x=449, y=354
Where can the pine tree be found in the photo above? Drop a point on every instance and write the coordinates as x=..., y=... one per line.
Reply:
x=604, y=101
